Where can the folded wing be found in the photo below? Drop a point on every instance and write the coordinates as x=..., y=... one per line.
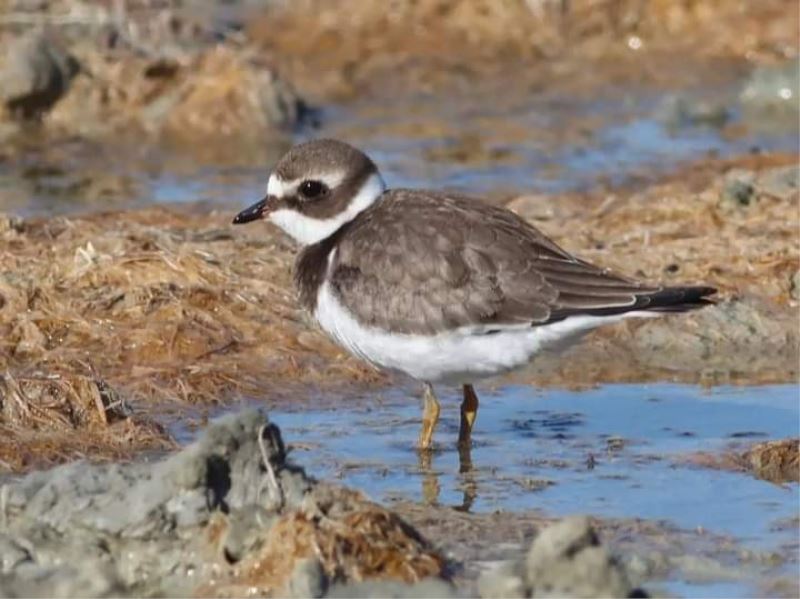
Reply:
x=434, y=262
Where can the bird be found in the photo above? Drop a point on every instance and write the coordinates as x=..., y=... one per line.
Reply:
x=440, y=286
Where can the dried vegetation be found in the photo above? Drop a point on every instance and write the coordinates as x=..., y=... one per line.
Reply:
x=154, y=300
x=688, y=230
x=155, y=305
x=327, y=48
x=51, y=418
x=353, y=539
x=774, y=461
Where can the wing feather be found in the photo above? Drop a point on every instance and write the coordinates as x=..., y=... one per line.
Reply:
x=426, y=262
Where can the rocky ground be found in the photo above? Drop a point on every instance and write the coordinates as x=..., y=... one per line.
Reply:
x=230, y=516
x=233, y=515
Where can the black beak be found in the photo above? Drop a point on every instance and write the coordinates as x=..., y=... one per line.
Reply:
x=254, y=212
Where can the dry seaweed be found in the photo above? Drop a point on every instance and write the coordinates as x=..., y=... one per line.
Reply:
x=353, y=539
x=324, y=47
x=47, y=419
x=162, y=304
x=774, y=461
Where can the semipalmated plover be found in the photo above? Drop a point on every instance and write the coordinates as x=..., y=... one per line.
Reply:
x=439, y=286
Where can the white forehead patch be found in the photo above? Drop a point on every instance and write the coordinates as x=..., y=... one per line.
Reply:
x=307, y=230
x=279, y=188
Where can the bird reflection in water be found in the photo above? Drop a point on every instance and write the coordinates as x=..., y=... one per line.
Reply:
x=431, y=485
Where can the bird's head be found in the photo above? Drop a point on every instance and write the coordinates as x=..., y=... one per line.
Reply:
x=317, y=187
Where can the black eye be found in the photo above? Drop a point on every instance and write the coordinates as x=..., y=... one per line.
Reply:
x=312, y=189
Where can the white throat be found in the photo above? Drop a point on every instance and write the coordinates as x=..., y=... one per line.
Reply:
x=307, y=230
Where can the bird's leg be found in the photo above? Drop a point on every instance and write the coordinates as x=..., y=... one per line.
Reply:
x=469, y=411
x=430, y=417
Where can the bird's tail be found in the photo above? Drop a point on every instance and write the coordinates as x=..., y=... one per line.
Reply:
x=676, y=299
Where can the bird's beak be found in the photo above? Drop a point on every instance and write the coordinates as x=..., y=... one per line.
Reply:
x=257, y=211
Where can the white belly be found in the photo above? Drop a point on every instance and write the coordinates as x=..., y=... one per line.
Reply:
x=458, y=356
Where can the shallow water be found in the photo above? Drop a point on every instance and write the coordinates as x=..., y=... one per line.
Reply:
x=533, y=449
x=547, y=144
x=618, y=451
x=484, y=142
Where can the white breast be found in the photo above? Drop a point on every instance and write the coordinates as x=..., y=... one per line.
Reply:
x=460, y=356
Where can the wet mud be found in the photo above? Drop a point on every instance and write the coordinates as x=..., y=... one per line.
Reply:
x=230, y=516
x=774, y=461
x=234, y=513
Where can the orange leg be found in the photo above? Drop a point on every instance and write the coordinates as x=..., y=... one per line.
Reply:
x=430, y=417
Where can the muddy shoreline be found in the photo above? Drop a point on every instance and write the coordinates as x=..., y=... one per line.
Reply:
x=231, y=514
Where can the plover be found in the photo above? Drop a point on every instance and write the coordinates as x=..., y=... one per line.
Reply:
x=442, y=287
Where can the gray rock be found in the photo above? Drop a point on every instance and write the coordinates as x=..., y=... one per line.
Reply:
x=773, y=88
x=245, y=532
x=755, y=338
x=37, y=72
x=739, y=188
x=169, y=527
x=12, y=554
x=87, y=579
x=683, y=111
x=565, y=560
x=135, y=526
x=794, y=286
x=280, y=105
x=782, y=182
x=506, y=581
x=394, y=590
x=308, y=580
x=743, y=187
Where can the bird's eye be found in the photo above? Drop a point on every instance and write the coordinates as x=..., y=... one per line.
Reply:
x=312, y=189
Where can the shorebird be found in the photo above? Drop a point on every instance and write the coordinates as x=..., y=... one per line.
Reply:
x=436, y=285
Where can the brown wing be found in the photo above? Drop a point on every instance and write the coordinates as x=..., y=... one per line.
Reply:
x=437, y=262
